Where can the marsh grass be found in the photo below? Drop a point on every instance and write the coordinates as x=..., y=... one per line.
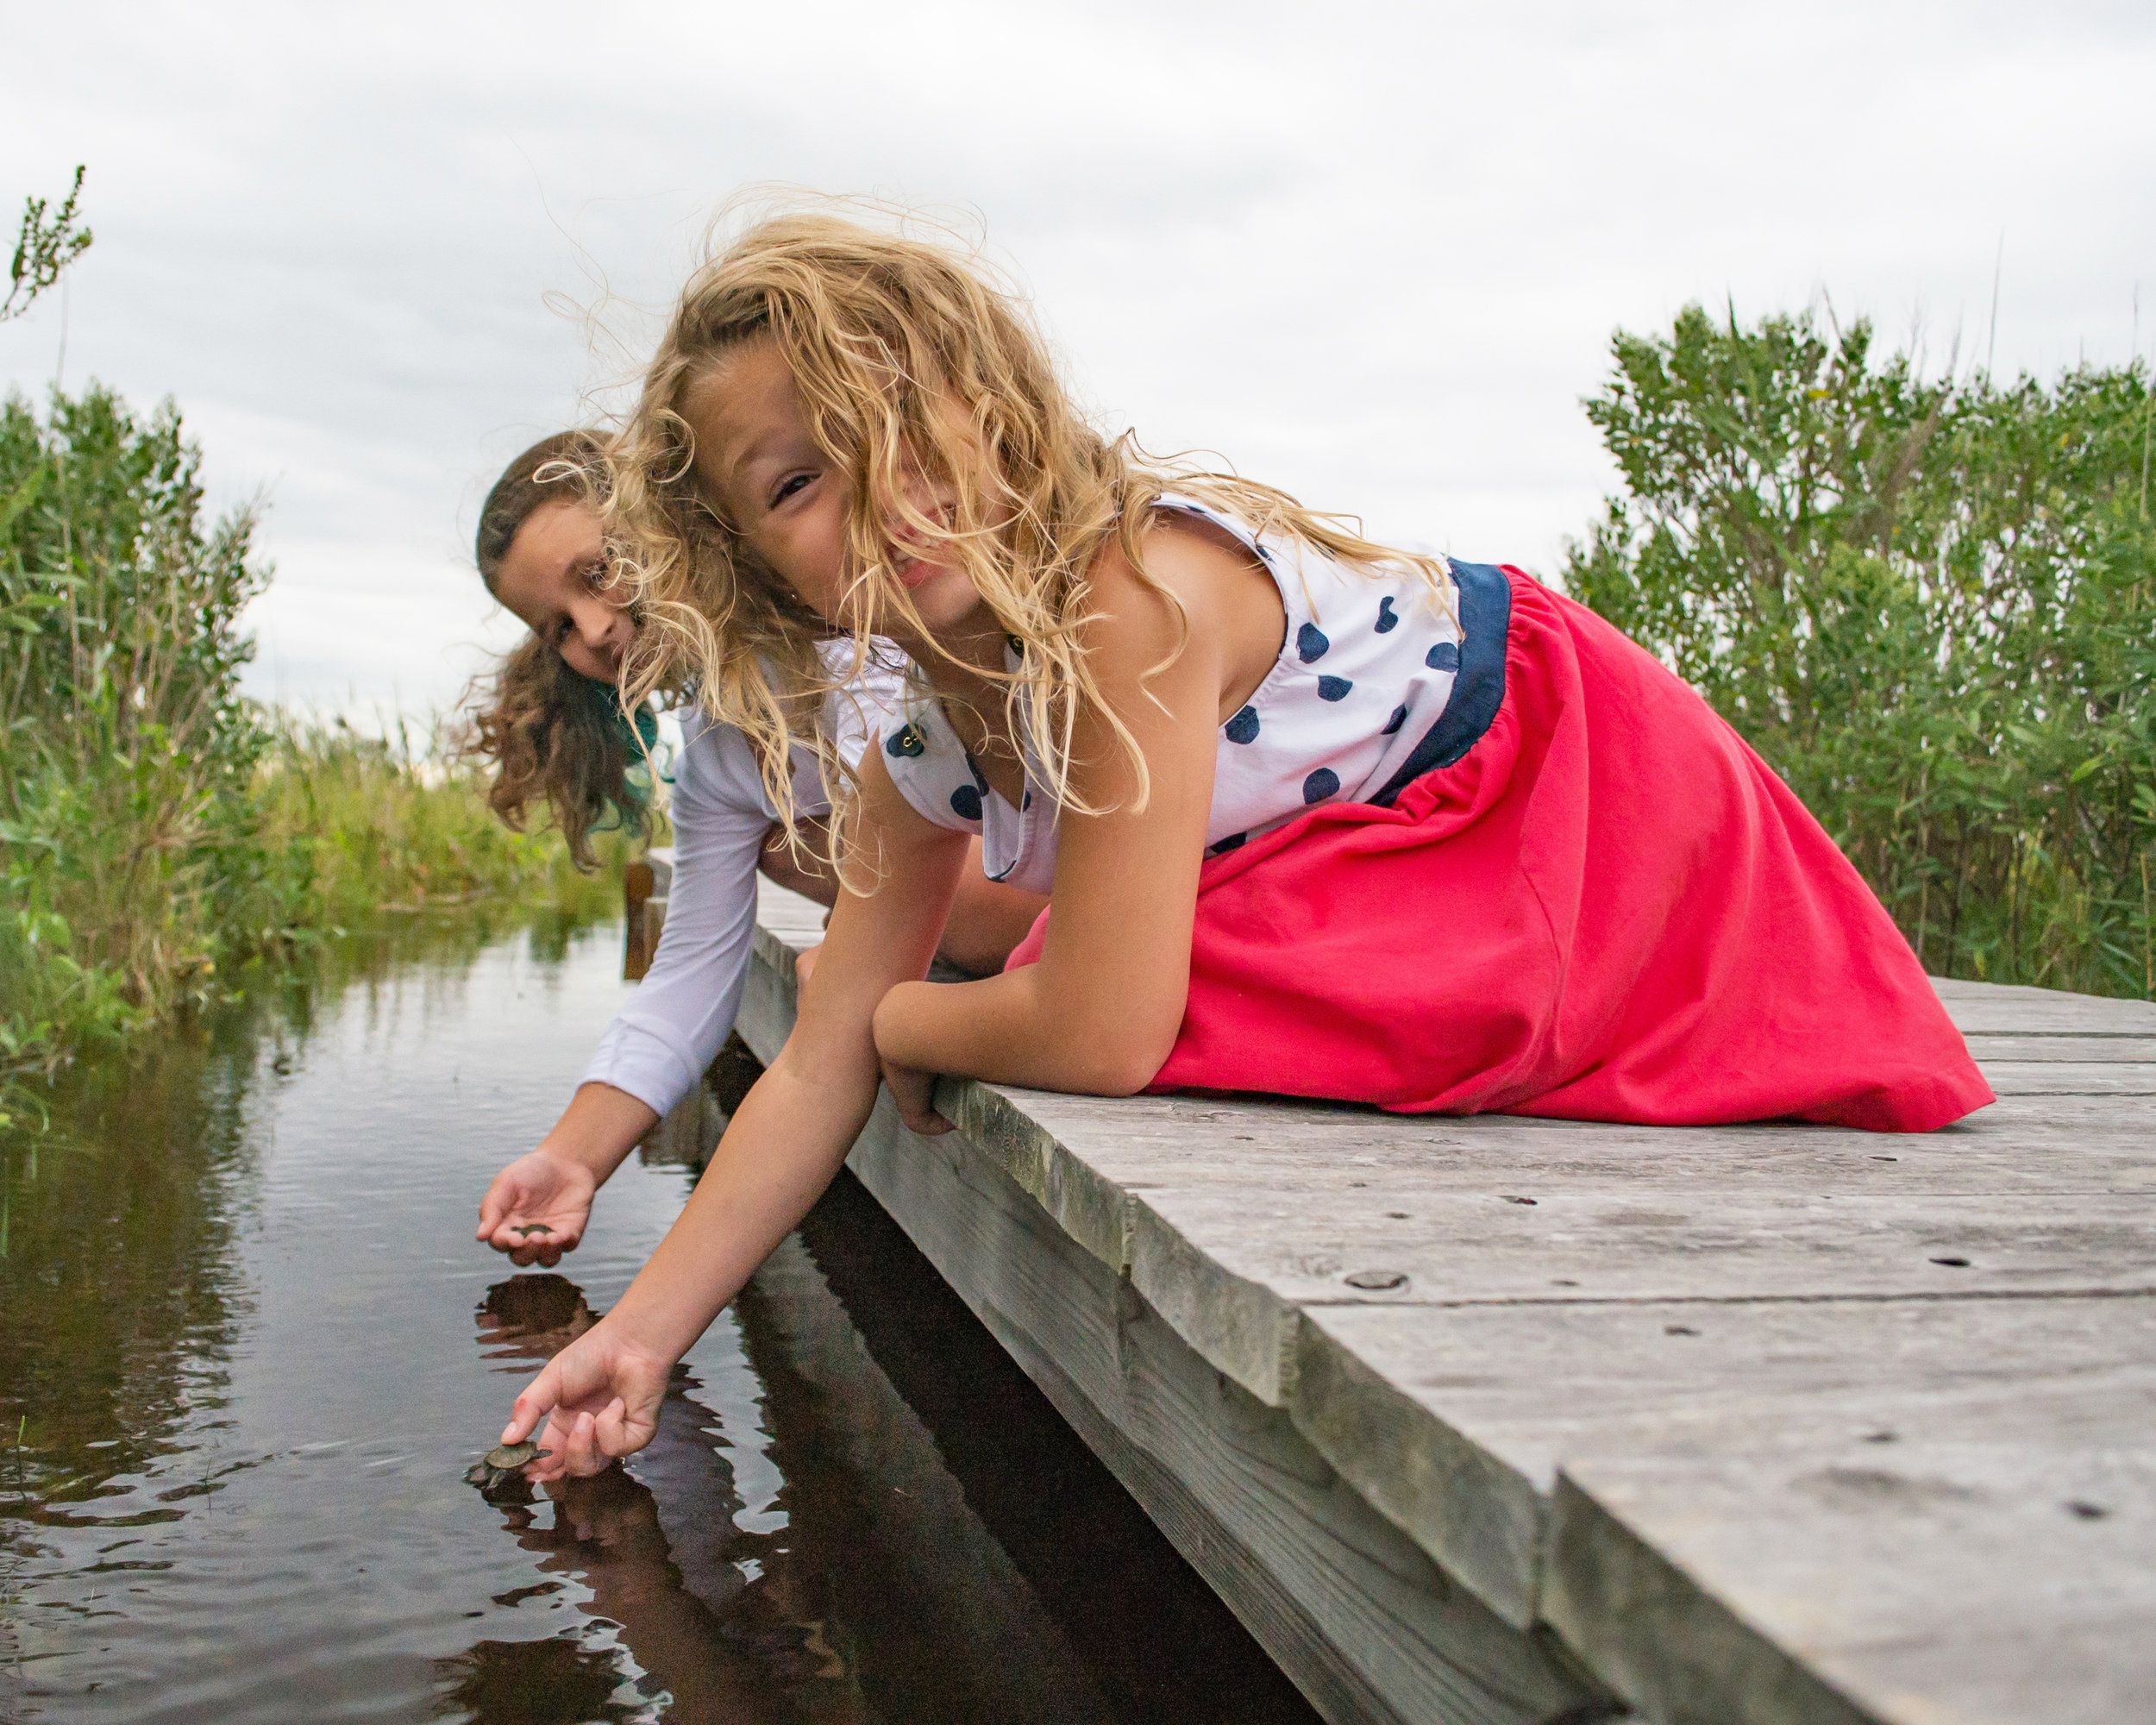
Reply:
x=367, y=825
x=157, y=831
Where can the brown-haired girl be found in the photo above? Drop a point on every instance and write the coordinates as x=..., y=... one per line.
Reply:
x=553, y=724
x=1318, y=816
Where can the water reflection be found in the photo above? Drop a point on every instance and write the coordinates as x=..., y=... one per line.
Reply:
x=250, y=1350
x=707, y=1624
x=756, y=1622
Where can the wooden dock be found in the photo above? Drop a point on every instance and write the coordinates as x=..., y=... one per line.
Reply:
x=1478, y=1421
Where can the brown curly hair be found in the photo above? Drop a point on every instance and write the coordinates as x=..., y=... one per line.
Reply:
x=549, y=734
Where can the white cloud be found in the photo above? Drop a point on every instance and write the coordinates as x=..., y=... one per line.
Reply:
x=1370, y=251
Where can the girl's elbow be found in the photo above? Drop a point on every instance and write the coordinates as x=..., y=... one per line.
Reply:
x=1122, y=1061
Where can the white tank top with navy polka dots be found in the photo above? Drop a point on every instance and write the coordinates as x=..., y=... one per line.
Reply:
x=1366, y=668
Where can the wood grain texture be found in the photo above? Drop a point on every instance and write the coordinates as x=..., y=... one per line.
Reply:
x=1979, y=1007
x=1356, y=1612
x=1764, y=1423
x=1364, y=1622
x=1866, y=1392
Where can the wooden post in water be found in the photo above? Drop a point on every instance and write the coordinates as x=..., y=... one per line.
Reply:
x=644, y=886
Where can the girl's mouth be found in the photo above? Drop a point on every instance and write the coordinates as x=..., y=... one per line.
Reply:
x=911, y=572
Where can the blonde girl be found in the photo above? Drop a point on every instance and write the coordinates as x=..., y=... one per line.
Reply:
x=1317, y=815
x=552, y=725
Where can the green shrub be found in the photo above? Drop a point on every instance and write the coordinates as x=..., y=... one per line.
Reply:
x=157, y=828
x=1929, y=603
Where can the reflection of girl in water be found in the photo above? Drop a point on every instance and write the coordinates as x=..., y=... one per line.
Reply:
x=552, y=725
x=869, y=1587
x=726, y=1638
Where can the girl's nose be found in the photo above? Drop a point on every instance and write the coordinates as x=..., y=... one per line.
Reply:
x=602, y=628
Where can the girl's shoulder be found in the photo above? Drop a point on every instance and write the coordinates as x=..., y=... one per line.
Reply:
x=716, y=769
x=1202, y=578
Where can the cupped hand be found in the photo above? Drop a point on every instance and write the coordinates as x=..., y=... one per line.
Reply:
x=914, y=1092
x=597, y=1400
x=536, y=1208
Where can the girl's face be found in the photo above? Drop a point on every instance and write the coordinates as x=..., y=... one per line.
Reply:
x=789, y=505
x=554, y=577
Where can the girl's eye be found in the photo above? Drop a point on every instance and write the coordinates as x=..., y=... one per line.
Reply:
x=787, y=487
x=595, y=576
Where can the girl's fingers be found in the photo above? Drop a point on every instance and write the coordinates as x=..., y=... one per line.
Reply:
x=613, y=1428
x=538, y=1399
x=582, y=1456
x=913, y=1093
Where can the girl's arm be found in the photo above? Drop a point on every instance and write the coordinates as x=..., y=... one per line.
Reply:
x=1100, y=1011
x=659, y=1044
x=600, y=1395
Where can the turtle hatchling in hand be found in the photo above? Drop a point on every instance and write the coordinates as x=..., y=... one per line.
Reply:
x=500, y=1472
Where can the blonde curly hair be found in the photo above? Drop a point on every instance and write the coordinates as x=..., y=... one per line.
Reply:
x=907, y=356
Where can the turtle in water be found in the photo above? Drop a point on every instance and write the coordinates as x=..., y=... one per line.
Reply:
x=500, y=1474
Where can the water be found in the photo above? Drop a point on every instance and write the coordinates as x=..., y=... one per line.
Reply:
x=250, y=1347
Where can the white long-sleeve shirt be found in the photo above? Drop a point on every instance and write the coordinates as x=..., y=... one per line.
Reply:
x=660, y=1043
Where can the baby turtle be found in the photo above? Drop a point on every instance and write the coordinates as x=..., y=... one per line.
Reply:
x=501, y=1472
x=530, y=1228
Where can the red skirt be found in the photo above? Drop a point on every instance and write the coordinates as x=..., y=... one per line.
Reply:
x=1598, y=904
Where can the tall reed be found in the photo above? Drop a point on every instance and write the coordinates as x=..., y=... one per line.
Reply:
x=156, y=827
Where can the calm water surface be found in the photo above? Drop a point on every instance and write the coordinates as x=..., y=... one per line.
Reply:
x=248, y=1346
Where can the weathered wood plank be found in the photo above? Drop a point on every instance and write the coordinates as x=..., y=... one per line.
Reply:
x=2016, y=1145
x=2035, y=1012
x=1991, y=1045
x=1509, y=1344
x=1457, y=1422
x=1234, y=1270
x=2072, y=1078
x=1956, y=1583
x=1366, y=1621
x=1360, y=1618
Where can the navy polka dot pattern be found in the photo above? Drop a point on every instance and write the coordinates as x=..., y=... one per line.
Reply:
x=1358, y=686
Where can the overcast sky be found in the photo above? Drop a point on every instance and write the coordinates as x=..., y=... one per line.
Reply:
x=1371, y=253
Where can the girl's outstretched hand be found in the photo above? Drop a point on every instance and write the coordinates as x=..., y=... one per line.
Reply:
x=536, y=1207
x=597, y=1400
